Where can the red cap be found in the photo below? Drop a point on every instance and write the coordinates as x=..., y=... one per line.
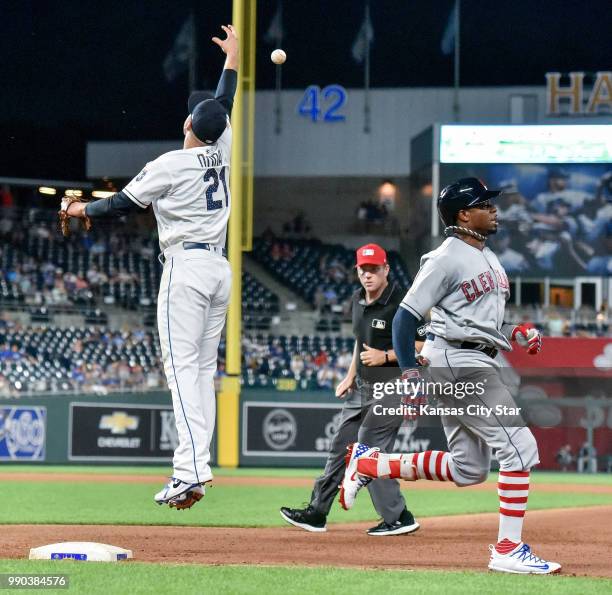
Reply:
x=371, y=254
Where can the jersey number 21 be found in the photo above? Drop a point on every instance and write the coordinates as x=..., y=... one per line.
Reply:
x=212, y=178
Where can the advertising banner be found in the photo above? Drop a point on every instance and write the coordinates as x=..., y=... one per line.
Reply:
x=22, y=433
x=120, y=432
x=279, y=429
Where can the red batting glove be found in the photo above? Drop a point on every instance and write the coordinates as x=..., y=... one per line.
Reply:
x=528, y=337
x=422, y=361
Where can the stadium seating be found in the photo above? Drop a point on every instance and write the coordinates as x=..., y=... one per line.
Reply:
x=110, y=266
x=309, y=266
x=118, y=267
x=45, y=359
x=311, y=361
x=42, y=359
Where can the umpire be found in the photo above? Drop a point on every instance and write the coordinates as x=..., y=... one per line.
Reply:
x=373, y=306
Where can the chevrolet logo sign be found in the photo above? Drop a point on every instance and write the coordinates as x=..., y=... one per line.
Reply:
x=119, y=422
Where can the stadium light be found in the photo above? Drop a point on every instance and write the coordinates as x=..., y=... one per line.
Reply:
x=102, y=193
x=73, y=192
x=426, y=190
x=387, y=189
x=47, y=190
x=387, y=194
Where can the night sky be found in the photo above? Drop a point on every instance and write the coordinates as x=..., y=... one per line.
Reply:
x=77, y=71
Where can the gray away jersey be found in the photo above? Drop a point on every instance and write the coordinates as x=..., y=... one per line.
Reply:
x=466, y=290
x=190, y=193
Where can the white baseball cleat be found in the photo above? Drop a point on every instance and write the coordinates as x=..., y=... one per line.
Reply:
x=179, y=494
x=353, y=481
x=521, y=560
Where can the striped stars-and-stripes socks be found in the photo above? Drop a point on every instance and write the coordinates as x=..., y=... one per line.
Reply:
x=513, y=490
x=435, y=465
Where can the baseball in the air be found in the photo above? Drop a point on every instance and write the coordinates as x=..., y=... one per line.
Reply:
x=278, y=56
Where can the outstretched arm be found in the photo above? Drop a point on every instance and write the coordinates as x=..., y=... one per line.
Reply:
x=116, y=205
x=153, y=182
x=226, y=89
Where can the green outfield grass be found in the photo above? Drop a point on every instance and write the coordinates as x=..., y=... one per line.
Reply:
x=158, y=471
x=536, y=476
x=134, y=577
x=234, y=505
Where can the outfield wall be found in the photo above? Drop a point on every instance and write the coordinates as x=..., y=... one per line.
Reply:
x=277, y=429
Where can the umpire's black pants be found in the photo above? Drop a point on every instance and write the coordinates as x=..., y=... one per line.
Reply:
x=360, y=424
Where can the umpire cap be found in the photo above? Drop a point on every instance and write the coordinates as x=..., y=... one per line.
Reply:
x=208, y=116
x=462, y=194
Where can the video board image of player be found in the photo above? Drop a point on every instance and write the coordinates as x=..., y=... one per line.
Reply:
x=553, y=219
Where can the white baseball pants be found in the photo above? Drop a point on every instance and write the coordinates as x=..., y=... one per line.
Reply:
x=194, y=295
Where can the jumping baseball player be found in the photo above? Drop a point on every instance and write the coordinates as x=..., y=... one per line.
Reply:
x=466, y=288
x=190, y=194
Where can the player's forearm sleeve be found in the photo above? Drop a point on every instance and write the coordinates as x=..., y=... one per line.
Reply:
x=116, y=205
x=226, y=89
x=404, y=329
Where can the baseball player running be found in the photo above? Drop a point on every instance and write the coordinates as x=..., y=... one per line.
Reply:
x=189, y=191
x=466, y=288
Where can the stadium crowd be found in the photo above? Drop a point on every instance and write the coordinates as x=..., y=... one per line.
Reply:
x=321, y=274
x=118, y=267
x=39, y=359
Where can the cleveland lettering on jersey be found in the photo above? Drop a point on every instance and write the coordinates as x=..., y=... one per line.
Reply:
x=484, y=283
x=466, y=290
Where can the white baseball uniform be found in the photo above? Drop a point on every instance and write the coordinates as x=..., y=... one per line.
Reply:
x=190, y=195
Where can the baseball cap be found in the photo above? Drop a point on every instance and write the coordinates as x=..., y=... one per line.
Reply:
x=208, y=120
x=370, y=254
x=196, y=97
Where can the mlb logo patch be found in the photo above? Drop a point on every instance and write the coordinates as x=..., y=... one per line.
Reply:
x=379, y=324
x=367, y=252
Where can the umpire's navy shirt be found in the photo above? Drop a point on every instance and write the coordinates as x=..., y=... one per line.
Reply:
x=372, y=325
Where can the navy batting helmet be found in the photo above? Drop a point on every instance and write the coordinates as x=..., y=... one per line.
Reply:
x=462, y=194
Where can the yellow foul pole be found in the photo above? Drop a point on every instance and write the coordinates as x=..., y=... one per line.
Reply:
x=228, y=402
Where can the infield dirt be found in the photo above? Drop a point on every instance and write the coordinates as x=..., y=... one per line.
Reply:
x=578, y=538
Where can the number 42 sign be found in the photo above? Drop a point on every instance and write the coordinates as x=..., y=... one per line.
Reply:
x=323, y=105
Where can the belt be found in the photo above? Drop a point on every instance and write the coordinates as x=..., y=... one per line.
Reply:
x=486, y=349
x=191, y=246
